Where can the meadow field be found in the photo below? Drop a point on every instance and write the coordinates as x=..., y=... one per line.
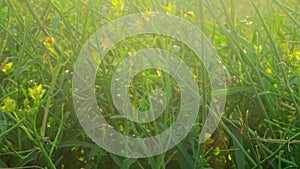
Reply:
x=50, y=100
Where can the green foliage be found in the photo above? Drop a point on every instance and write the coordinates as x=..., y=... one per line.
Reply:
x=257, y=41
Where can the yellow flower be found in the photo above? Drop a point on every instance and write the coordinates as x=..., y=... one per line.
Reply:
x=8, y=105
x=269, y=70
x=37, y=92
x=258, y=49
x=118, y=4
x=191, y=14
x=297, y=55
x=7, y=67
x=294, y=56
x=147, y=14
x=68, y=53
x=290, y=57
x=249, y=23
x=49, y=40
x=49, y=44
x=170, y=8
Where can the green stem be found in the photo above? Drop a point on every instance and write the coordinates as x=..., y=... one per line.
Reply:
x=46, y=112
x=228, y=131
x=204, y=79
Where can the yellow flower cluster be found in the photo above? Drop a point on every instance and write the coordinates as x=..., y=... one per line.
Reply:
x=37, y=92
x=191, y=14
x=258, y=49
x=69, y=53
x=249, y=23
x=7, y=67
x=49, y=43
x=8, y=105
x=118, y=4
x=294, y=56
x=170, y=8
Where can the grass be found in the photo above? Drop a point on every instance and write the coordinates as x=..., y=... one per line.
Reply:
x=258, y=42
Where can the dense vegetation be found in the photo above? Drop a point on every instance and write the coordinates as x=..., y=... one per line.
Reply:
x=258, y=42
